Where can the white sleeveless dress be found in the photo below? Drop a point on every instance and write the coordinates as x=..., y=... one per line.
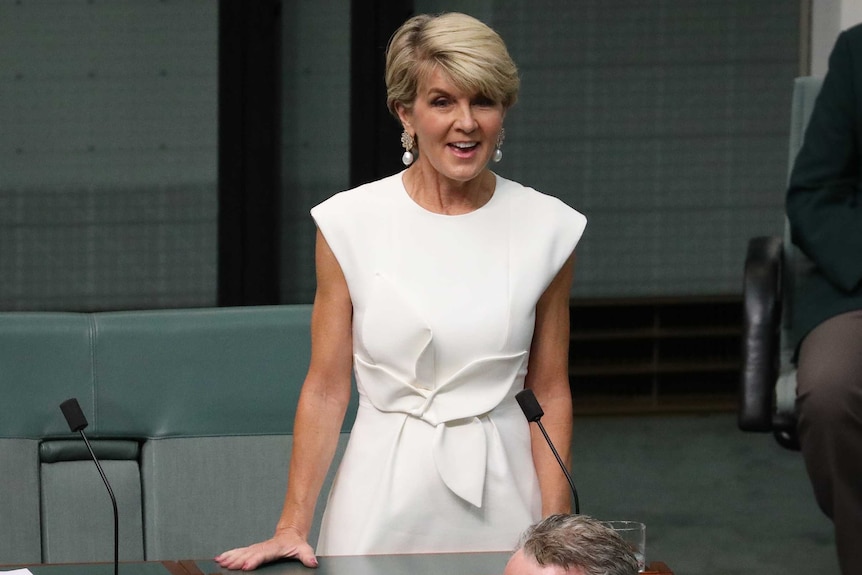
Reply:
x=439, y=457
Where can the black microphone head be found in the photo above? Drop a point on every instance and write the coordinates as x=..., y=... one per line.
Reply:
x=529, y=405
x=74, y=416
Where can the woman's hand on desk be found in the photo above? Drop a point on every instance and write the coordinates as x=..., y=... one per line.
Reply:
x=283, y=545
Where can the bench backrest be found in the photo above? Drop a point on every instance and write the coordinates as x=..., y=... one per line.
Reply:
x=190, y=412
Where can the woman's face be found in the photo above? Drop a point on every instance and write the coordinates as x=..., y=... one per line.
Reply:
x=455, y=132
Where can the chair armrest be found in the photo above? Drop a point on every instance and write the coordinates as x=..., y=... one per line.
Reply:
x=760, y=338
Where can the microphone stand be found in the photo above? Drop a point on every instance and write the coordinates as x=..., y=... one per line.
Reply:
x=113, y=504
x=77, y=422
x=562, y=466
x=533, y=412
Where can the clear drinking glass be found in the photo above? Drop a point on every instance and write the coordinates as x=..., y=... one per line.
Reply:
x=634, y=533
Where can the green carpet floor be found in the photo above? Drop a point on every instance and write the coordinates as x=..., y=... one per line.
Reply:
x=715, y=500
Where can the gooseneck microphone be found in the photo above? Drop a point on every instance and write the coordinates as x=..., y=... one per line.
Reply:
x=533, y=412
x=77, y=422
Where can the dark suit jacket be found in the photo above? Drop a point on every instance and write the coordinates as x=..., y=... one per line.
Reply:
x=823, y=199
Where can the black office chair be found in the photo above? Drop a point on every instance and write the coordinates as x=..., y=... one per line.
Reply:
x=772, y=268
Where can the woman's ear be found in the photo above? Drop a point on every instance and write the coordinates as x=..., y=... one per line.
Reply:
x=405, y=115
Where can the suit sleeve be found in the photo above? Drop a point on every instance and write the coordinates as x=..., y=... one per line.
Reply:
x=823, y=196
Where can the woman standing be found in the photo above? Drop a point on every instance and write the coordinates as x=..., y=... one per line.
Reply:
x=445, y=289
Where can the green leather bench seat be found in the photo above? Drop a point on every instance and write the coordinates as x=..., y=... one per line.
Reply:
x=44, y=358
x=20, y=531
x=74, y=500
x=207, y=494
x=190, y=412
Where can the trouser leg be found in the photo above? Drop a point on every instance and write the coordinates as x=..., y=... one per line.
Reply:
x=829, y=401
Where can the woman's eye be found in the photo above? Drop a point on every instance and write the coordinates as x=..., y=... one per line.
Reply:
x=440, y=102
x=484, y=102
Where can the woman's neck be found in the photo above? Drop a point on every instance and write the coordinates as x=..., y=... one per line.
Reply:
x=435, y=193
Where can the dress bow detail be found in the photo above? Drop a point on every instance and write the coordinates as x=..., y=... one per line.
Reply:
x=453, y=407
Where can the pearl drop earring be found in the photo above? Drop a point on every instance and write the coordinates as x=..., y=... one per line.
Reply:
x=498, y=153
x=409, y=143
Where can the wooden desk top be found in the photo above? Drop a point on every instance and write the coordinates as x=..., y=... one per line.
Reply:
x=425, y=564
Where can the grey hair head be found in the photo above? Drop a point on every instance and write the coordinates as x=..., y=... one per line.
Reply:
x=579, y=541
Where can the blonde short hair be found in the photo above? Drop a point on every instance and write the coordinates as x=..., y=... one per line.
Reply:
x=467, y=50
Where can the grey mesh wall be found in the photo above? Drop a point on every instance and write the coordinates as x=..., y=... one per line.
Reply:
x=316, y=130
x=665, y=122
x=108, y=124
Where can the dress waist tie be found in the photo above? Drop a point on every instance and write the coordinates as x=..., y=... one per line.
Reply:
x=453, y=407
